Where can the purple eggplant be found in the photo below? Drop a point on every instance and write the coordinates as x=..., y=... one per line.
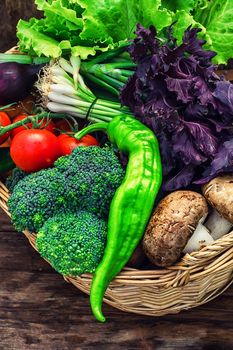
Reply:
x=16, y=81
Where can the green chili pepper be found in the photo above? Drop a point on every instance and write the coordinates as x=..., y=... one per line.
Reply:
x=133, y=202
x=6, y=163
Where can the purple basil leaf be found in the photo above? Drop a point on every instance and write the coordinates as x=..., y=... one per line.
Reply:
x=144, y=43
x=203, y=92
x=192, y=45
x=223, y=158
x=166, y=151
x=183, y=68
x=195, y=110
x=131, y=93
x=186, y=150
x=182, y=179
x=181, y=87
x=222, y=162
x=205, y=141
x=220, y=126
x=224, y=95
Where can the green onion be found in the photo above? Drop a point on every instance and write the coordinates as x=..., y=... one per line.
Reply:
x=108, y=72
x=63, y=90
x=22, y=59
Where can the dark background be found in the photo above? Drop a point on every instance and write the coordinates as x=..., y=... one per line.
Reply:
x=11, y=11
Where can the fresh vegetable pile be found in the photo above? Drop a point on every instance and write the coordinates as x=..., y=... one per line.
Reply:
x=126, y=143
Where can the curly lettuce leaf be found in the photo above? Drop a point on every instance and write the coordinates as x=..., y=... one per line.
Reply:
x=33, y=41
x=174, y=5
x=217, y=17
x=115, y=20
x=89, y=26
x=182, y=21
x=59, y=8
x=85, y=51
x=152, y=13
x=108, y=21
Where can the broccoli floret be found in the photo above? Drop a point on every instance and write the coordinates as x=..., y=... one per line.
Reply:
x=87, y=180
x=12, y=180
x=36, y=198
x=92, y=174
x=73, y=242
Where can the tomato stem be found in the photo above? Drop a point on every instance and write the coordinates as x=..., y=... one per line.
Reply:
x=34, y=119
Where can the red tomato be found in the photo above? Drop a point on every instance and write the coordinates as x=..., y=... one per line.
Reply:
x=4, y=121
x=68, y=143
x=50, y=127
x=34, y=149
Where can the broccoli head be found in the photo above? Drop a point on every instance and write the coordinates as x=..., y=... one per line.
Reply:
x=12, y=180
x=73, y=243
x=87, y=179
x=37, y=197
x=92, y=175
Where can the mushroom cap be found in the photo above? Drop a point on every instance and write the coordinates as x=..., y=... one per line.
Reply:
x=172, y=225
x=219, y=193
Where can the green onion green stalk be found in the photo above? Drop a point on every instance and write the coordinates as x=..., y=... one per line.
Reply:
x=22, y=59
x=108, y=71
x=63, y=90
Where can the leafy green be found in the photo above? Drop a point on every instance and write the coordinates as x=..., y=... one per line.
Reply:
x=217, y=17
x=174, y=5
x=32, y=41
x=86, y=27
x=151, y=13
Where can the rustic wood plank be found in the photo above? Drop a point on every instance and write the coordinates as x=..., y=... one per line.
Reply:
x=40, y=311
x=11, y=11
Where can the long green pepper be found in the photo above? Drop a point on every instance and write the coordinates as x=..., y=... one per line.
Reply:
x=132, y=203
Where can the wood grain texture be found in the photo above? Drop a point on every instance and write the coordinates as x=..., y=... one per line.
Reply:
x=11, y=11
x=40, y=311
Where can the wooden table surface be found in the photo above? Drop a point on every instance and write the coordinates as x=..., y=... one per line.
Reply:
x=39, y=310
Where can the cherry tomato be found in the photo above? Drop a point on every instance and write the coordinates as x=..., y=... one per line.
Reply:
x=34, y=149
x=4, y=121
x=68, y=143
x=45, y=125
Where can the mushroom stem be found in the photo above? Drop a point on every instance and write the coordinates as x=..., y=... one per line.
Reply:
x=218, y=225
x=200, y=238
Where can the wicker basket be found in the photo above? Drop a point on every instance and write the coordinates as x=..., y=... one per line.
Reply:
x=196, y=279
x=193, y=281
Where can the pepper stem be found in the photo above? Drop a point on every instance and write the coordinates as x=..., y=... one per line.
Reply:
x=91, y=128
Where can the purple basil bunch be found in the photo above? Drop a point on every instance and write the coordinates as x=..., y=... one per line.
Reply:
x=176, y=92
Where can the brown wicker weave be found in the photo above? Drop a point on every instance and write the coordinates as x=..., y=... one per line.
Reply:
x=196, y=279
